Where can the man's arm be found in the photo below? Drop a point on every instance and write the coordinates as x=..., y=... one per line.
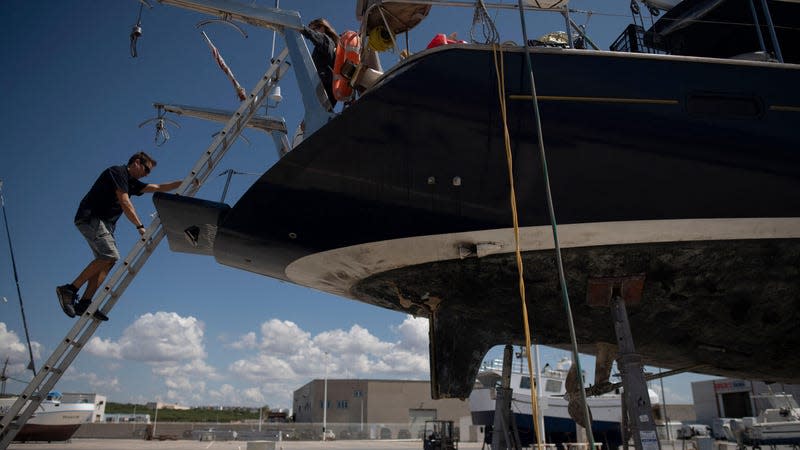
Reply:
x=130, y=212
x=162, y=187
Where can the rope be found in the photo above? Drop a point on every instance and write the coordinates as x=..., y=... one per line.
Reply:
x=551, y=210
x=501, y=92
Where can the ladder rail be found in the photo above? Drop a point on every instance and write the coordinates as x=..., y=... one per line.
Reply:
x=234, y=127
x=69, y=347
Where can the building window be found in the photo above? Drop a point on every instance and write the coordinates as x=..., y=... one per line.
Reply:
x=341, y=404
x=525, y=382
x=321, y=405
x=358, y=393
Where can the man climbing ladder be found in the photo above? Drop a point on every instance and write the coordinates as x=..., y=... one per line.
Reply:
x=84, y=328
x=96, y=219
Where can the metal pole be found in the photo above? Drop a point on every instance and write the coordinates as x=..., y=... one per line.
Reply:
x=16, y=279
x=227, y=182
x=565, y=13
x=664, y=405
x=758, y=27
x=325, y=401
x=155, y=420
x=540, y=394
x=772, y=34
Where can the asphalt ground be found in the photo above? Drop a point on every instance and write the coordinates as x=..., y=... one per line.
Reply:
x=131, y=444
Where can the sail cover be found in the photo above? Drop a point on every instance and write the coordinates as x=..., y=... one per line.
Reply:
x=399, y=16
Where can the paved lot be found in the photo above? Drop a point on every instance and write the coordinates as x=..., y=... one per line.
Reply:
x=128, y=444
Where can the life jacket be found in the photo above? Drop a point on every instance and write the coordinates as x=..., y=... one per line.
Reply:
x=348, y=57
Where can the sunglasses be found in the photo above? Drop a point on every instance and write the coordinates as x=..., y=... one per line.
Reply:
x=146, y=169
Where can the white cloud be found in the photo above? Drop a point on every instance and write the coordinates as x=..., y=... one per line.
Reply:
x=106, y=348
x=357, y=340
x=278, y=358
x=253, y=396
x=288, y=357
x=282, y=337
x=95, y=381
x=172, y=345
x=245, y=342
x=16, y=351
x=158, y=337
x=414, y=333
x=262, y=367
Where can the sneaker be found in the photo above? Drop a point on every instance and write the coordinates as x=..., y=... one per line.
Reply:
x=66, y=297
x=83, y=305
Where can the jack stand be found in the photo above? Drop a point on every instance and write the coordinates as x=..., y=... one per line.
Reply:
x=636, y=411
x=504, y=431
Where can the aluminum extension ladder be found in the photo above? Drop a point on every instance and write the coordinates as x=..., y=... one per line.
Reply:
x=84, y=328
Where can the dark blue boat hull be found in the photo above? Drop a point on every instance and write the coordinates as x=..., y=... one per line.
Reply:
x=685, y=171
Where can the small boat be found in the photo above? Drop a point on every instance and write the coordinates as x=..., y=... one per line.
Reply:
x=54, y=420
x=558, y=425
x=777, y=423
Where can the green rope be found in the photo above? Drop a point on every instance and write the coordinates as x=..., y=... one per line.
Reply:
x=551, y=210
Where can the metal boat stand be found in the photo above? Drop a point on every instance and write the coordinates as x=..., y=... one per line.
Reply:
x=637, y=412
x=505, y=435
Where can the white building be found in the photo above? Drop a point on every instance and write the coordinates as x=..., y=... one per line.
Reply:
x=728, y=398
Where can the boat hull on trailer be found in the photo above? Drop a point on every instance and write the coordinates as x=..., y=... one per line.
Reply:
x=52, y=421
x=680, y=170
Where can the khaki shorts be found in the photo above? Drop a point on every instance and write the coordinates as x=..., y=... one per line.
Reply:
x=99, y=235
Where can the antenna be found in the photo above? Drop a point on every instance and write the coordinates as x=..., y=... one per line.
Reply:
x=16, y=279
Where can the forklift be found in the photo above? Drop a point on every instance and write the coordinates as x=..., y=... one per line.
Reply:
x=439, y=435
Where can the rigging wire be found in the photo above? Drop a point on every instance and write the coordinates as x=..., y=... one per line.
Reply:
x=16, y=279
x=481, y=17
x=551, y=210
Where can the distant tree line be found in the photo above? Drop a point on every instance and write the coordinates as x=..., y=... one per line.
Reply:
x=202, y=414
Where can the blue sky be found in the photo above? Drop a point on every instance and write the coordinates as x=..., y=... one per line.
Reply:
x=187, y=330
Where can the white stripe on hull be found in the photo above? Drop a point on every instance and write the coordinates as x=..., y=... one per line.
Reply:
x=336, y=271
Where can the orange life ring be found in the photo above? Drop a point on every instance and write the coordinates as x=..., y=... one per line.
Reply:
x=348, y=56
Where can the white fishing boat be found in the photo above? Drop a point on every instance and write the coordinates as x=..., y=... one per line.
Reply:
x=54, y=420
x=559, y=426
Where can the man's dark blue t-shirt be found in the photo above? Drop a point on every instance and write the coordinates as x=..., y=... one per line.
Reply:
x=101, y=200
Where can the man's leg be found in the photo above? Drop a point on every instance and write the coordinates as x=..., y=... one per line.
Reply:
x=94, y=273
x=99, y=235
